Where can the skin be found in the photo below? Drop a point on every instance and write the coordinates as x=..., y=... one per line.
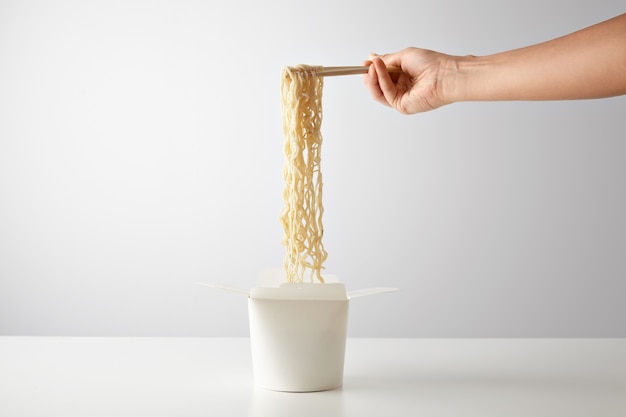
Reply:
x=587, y=64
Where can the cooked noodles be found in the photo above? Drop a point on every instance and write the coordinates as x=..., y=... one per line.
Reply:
x=301, y=99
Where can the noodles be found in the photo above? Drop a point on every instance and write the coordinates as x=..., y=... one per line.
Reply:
x=301, y=98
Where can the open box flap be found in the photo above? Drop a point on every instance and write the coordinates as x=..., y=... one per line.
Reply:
x=229, y=288
x=370, y=291
x=301, y=291
x=271, y=284
x=328, y=291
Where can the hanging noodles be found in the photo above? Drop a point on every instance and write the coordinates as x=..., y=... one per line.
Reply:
x=301, y=99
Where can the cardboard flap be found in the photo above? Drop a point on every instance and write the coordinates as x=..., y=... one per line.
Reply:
x=275, y=277
x=301, y=291
x=228, y=288
x=370, y=291
x=271, y=285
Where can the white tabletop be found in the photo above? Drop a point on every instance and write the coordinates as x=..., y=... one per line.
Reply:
x=42, y=376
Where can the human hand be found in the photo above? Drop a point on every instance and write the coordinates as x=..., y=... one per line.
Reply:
x=586, y=64
x=420, y=87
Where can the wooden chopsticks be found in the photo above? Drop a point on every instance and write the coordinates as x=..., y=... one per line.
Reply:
x=354, y=70
x=332, y=71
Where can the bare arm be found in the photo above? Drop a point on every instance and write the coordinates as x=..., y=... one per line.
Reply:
x=590, y=63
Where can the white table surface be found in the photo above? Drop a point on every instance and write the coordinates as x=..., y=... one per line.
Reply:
x=46, y=376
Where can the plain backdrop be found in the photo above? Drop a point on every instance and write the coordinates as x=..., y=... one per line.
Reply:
x=141, y=152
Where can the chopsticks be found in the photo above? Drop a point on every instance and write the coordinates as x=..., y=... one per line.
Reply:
x=332, y=71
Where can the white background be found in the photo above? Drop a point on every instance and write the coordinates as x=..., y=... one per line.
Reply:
x=140, y=152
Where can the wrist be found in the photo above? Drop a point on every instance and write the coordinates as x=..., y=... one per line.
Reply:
x=458, y=74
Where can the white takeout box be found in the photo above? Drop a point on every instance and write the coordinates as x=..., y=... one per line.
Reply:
x=298, y=332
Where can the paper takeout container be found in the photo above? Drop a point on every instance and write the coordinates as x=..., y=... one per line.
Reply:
x=298, y=332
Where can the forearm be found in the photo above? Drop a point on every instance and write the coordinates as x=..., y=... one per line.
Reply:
x=590, y=63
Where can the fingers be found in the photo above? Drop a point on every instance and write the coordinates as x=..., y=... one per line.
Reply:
x=379, y=82
x=371, y=81
x=386, y=84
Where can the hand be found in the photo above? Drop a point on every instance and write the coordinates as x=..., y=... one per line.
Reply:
x=418, y=88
